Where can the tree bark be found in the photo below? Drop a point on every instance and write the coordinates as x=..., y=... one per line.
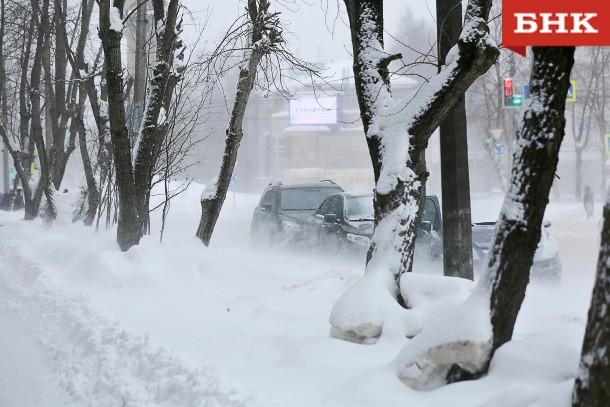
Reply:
x=152, y=132
x=399, y=199
x=129, y=231
x=519, y=226
x=592, y=386
x=455, y=182
x=212, y=203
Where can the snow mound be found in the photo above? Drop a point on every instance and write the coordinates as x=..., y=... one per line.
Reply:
x=367, y=309
x=432, y=295
x=463, y=336
x=99, y=363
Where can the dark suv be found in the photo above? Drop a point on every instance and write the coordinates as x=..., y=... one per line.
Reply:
x=283, y=208
x=344, y=221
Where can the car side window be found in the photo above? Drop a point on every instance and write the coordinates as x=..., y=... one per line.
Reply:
x=333, y=205
x=325, y=207
x=268, y=198
x=429, y=214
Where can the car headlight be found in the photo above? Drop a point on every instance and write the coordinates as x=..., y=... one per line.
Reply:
x=359, y=239
x=290, y=226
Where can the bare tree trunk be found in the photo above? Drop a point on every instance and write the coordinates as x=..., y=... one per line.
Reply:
x=36, y=131
x=592, y=386
x=152, y=132
x=129, y=231
x=212, y=203
x=534, y=165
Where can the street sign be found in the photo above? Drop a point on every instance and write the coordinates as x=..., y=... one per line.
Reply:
x=498, y=148
x=35, y=165
x=571, y=97
x=606, y=142
x=234, y=179
x=497, y=133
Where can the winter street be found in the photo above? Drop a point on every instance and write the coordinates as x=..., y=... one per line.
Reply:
x=261, y=318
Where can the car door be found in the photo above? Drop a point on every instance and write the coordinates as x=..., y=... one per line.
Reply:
x=330, y=229
x=264, y=220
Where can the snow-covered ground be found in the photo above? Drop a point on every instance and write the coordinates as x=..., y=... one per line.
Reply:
x=179, y=324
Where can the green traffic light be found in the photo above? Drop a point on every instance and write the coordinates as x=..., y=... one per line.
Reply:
x=517, y=101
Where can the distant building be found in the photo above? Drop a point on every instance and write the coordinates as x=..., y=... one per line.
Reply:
x=317, y=135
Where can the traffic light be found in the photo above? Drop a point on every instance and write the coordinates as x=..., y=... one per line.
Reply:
x=508, y=92
x=510, y=99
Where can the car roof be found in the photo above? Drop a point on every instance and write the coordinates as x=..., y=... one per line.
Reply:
x=318, y=184
x=357, y=194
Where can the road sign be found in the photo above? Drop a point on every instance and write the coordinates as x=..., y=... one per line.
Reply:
x=498, y=148
x=607, y=142
x=234, y=179
x=571, y=97
x=35, y=165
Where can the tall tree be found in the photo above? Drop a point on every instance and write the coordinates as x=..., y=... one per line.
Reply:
x=397, y=135
x=519, y=227
x=265, y=51
x=264, y=35
x=134, y=180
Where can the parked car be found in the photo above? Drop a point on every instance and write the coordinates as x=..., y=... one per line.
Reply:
x=283, y=208
x=344, y=222
x=547, y=263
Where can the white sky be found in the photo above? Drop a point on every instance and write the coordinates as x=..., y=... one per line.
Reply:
x=311, y=25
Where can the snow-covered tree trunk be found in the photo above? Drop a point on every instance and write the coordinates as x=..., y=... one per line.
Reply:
x=592, y=386
x=264, y=35
x=397, y=135
x=519, y=226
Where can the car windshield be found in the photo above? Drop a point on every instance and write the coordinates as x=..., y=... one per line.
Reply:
x=359, y=208
x=302, y=199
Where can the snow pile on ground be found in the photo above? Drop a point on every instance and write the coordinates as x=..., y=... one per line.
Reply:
x=367, y=310
x=98, y=362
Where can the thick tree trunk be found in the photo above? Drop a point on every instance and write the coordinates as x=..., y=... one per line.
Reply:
x=534, y=165
x=399, y=196
x=129, y=231
x=592, y=386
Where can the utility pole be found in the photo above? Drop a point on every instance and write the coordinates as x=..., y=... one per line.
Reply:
x=455, y=182
x=5, y=170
